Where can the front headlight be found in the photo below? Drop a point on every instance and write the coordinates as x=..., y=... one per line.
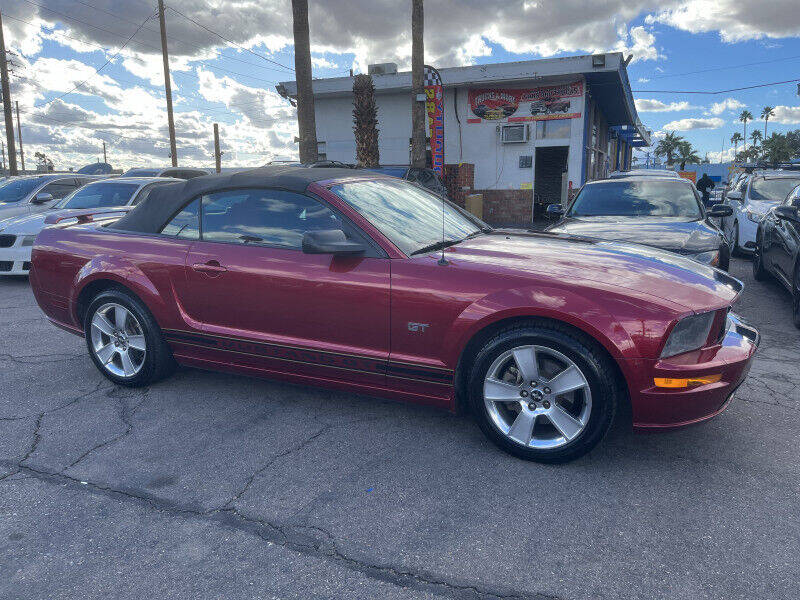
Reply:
x=754, y=216
x=707, y=258
x=690, y=333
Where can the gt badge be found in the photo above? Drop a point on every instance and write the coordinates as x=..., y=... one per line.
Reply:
x=418, y=327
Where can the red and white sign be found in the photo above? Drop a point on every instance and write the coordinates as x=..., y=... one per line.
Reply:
x=527, y=104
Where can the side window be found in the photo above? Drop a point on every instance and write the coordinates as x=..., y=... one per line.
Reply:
x=186, y=224
x=59, y=189
x=258, y=216
x=793, y=198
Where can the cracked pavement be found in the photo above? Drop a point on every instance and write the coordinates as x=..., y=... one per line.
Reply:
x=219, y=486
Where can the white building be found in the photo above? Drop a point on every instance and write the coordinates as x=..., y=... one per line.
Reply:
x=532, y=129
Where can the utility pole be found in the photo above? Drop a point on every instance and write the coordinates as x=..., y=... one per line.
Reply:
x=417, y=85
x=217, y=153
x=12, y=155
x=306, y=120
x=4, y=157
x=105, y=160
x=173, y=149
x=19, y=137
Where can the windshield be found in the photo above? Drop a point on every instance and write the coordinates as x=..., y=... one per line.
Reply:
x=772, y=190
x=410, y=216
x=99, y=195
x=16, y=189
x=647, y=198
x=142, y=173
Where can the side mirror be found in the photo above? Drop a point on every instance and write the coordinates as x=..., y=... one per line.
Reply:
x=42, y=198
x=790, y=213
x=329, y=241
x=554, y=211
x=720, y=210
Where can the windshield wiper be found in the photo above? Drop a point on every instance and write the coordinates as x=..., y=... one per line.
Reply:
x=435, y=246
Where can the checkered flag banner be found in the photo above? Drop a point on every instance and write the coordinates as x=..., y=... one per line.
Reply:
x=431, y=76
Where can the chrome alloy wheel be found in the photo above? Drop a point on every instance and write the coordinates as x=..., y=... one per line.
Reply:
x=537, y=397
x=118, y=340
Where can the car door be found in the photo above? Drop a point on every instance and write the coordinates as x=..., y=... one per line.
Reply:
x=57, y=188
x=265, y=303
x=785, y=238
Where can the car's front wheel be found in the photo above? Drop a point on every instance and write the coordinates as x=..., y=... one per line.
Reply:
x=543, y=392
x=735, y=239
x=124, y=340
x=759, y=271
x=796, y=296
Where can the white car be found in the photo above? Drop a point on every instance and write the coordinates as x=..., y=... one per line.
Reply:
x=36, y=193
x=750, y=200
x=17, y=234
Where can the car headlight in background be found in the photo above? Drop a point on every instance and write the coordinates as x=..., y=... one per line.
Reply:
x=754, y=216
x=690, y=333
x=707, y=258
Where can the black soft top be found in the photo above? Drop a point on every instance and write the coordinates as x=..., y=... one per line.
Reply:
x=164, y=201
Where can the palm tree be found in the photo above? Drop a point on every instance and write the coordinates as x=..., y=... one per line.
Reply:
x=306, y=121
x=418, y=141
x=756, y=137
x=735, y=139
x=667, y=147
x=687, y=154
x=744, y=118
x=365, y=122
x=766, y=113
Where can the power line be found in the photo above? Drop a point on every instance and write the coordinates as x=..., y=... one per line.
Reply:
x=739, y=66
x=748, y=87
x=261, y=56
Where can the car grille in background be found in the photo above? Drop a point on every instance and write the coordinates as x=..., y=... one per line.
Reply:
x=6, y=241
x=26, y=266
x=6, y=265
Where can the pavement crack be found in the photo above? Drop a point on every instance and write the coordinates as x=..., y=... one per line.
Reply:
x=36, y=438
x=61, y=406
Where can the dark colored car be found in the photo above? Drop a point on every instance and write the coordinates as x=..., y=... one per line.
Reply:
x=665, y=213
x=176, y=172
x=347, y=280
x=777, y=248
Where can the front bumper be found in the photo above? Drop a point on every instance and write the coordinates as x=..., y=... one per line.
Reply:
x=16, y=259
x=661, y=408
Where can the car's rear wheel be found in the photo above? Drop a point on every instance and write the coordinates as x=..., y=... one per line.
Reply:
x=542, y=392
x=796, y=296
x=735, y=249
x=124, y=340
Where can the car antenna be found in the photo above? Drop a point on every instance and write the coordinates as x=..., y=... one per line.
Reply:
x=442, y=261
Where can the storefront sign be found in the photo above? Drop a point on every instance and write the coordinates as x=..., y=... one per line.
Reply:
x=434, y=91
x=528, y=104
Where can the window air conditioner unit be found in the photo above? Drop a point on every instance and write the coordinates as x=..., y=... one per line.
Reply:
x=514, y=134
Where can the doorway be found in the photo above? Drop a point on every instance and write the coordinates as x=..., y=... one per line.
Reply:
x=548, y=177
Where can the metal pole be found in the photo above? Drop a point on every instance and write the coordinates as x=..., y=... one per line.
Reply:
x=217, y=155
x=19, y=137
x=173, y=150
x=12, y=154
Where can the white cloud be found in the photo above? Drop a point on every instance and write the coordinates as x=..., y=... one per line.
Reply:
x=690, y=124
x=320, y=62
x=639, y=42
x=728, y=104
x=724, y=156
x=648, y=105
x=788, y=115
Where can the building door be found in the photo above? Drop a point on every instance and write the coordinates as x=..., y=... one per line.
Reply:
x=551, y=163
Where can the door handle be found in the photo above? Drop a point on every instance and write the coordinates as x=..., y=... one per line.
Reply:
x=211, y=267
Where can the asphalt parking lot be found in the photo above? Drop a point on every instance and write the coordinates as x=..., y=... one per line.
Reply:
x=216, y=486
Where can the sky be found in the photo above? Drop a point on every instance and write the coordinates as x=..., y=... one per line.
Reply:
x=89, y=71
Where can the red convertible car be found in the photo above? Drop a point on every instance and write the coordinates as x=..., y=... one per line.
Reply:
x=367, y=283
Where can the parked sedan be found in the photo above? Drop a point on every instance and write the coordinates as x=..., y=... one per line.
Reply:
x=176, y=172
x=750, y=200
x=36, y=193
x=777, y=248
x=372, y=284
x=643, y=173
x=664, y=213
x=17, y=234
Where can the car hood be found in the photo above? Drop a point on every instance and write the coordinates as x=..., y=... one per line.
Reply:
x=564, y=259
x=684, y=237
x=13, y=209
x=24, y=224
x=759, y=206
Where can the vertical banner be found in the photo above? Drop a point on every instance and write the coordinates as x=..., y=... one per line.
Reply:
x=434, y=104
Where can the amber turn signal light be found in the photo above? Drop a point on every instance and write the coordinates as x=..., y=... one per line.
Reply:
x=668, y=382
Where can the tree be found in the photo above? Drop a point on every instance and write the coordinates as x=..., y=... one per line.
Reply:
x=686, y=154
x=735, y=139
x=756, y=137
x=43, y=164
x=365, y=122
x=766, y=113
x=744, y=118
x=778, y=148
x=306, y=121
x=667, y=147
x=418, y=141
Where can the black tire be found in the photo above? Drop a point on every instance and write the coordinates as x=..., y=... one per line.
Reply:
x=760, y=273
x=596, y=366
x=735, y=249
x=796, y=296
x=724, y=257
x=158, y=360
